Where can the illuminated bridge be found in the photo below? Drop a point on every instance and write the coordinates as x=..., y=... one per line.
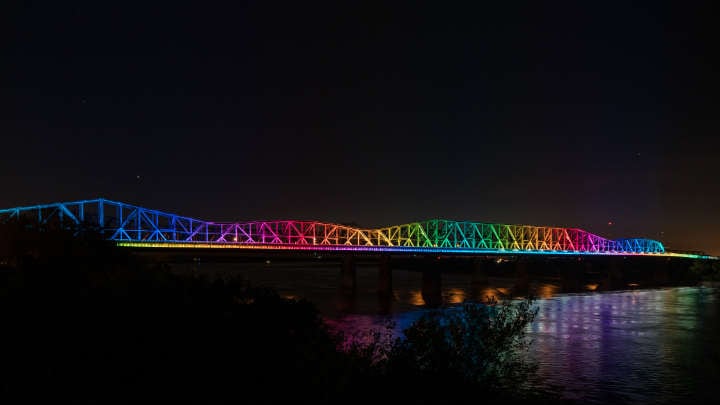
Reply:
x=133, y=226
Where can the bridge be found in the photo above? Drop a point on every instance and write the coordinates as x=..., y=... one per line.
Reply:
x=137, y=227
x=435, y=246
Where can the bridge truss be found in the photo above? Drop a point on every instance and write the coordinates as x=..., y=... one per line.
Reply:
x=132, y=225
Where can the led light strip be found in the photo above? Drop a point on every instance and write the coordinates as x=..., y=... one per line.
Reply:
x=390, y=249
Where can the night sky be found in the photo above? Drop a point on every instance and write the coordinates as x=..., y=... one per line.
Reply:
x=374, y=113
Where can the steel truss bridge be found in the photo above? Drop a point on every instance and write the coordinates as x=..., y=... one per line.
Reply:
x=133, y=226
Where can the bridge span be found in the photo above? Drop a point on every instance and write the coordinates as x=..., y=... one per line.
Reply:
x=523, y=252
x=137, y=227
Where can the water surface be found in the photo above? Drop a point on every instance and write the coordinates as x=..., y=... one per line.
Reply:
x=631, y=346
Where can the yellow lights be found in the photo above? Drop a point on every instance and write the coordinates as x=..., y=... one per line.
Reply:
x=546, y=290
x=504, y=291
x=491, y=294
x=456, y=296
x=416, y=298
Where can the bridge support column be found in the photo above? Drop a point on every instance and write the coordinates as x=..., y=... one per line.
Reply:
x=385, y=291
x=348, y=282
x=661, y=272
x=479, y=273
x=570, y=274
x=347, y=288
x=431, y=284
x=522, y=279
x=479, y=282
x=614, y=278
x=680, y=270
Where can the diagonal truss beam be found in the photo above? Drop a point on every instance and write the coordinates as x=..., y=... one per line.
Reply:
x=126, y=222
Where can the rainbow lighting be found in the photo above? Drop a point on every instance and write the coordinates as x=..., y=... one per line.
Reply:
x=138, y=227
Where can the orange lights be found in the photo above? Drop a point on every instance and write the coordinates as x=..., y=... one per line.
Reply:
x=416, y=298
x=456, y=296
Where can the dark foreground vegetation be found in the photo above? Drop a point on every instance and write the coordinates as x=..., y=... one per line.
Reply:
x=706, y=270
x=87, y=322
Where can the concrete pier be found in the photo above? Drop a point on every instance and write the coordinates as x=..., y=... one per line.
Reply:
x=348, y=280
x=614, y=278
x=431, y=283
x=479, y=273
x=347, y=297
x=385, y=289
x=522, y=279
x=571, y=275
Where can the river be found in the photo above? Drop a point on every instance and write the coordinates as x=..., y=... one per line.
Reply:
x=626, y=346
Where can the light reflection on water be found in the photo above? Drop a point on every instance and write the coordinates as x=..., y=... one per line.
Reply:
x=630, y=346
x=638, y=346
x=634, y=346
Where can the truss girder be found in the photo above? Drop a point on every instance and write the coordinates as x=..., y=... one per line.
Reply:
x=126, y=222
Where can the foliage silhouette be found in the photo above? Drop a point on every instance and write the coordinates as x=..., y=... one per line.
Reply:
x=706, y=270
x=86, y=322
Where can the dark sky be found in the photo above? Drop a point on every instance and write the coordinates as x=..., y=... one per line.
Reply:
x=376, y=113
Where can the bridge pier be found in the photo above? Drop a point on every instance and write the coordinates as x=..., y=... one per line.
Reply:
x=385, y=291
x=348, y=280
x=431, y=283
x=348, y=285
x=479, y=281
x=479, y=273
x=522, y=279
x=614, y=277
x=570, y=275
x=569, y=280
x=656, y=272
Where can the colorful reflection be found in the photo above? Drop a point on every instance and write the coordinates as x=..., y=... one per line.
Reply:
x=633, y=341
x=546, y=290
